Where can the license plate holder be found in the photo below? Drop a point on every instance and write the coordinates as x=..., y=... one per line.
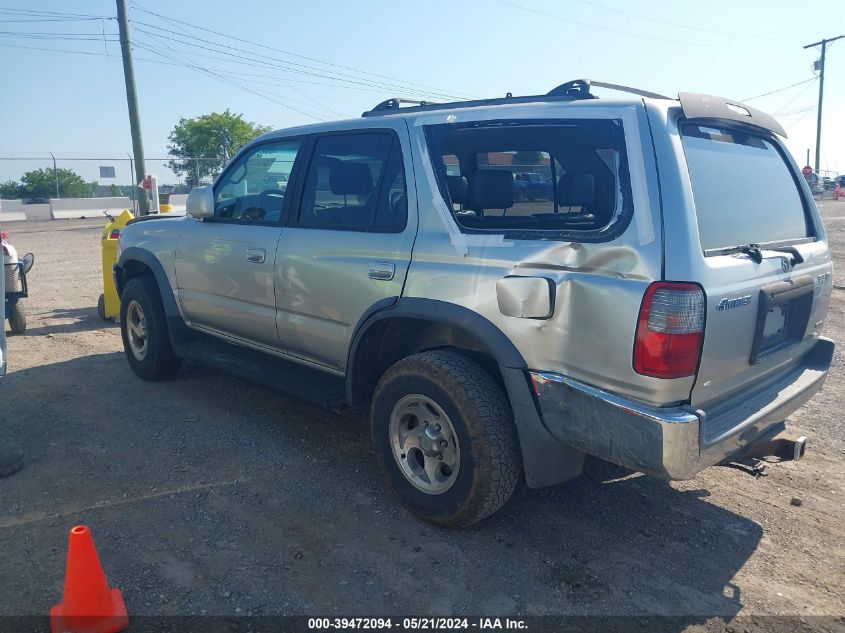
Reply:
x=782, y=316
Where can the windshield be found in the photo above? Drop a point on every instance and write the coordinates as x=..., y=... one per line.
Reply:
x=744, y=190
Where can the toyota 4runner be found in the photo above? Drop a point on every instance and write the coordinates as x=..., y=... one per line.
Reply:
x=655, y=311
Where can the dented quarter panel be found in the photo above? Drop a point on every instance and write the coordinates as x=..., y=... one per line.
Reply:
x=598, y=286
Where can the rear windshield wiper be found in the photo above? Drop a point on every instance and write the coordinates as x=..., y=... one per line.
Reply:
x=797, y=258
x=755, y=252
x=752, y=250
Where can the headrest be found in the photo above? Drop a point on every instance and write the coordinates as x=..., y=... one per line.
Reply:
x=348, y=178
x=576, y=190
x=490, y=189
x=457, y=188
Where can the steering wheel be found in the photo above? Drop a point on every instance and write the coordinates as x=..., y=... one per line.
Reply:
x=254, y=213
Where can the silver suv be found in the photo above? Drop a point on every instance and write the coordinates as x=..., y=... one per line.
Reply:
x=655, y=311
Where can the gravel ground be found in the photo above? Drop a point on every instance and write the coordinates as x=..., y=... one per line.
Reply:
x=206, y=495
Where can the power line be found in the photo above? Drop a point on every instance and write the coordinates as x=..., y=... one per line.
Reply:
x=292, y=54
x=218, y=74
x=793, y=100
x=680, y=25
x=184, y=65
x=33, y=12
x=234, y=83
x=618, y=31
x=252, y=59
x=766, y=94
x=54, y=19
x=89, y=37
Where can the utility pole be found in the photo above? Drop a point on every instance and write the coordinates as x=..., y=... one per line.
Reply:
x=823, y=44
x=132, y=101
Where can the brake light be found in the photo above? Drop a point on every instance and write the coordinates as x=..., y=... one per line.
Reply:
x=115, y=234
x=670, y=330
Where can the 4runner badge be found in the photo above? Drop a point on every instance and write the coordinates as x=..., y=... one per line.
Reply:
x=730, y=304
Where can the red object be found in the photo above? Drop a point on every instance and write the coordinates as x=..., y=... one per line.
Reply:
x=4, y=235
x=115, y=234
x=670, y=330
x=807, y=170
x=839, y=192
x=147, y=182
x=88, y=605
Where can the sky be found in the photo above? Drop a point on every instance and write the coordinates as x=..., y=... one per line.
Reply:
x=299, y=62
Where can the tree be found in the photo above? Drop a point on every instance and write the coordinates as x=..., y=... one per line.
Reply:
x=215, y=137
x=10, y=189
x=41, y=183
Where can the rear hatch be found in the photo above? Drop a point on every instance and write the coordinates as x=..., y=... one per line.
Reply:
x=765, y=266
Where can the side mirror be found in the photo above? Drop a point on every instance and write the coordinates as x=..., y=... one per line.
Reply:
x=200, y=202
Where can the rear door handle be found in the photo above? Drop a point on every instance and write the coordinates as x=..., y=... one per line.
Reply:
x=381, y=270
x=255, y=255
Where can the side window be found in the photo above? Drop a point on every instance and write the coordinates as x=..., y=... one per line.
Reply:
x=355, y=182
x=535, y=178
x=253, y=190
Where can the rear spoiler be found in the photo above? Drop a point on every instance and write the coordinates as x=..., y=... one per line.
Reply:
x=698, y=107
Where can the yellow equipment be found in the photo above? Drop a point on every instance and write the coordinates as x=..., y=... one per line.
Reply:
x=108, y=305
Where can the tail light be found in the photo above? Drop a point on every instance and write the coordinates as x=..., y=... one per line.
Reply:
x=670, y=330
x=115, y=234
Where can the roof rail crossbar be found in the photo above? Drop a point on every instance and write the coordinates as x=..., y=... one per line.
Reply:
x=581, y=88
x=389, y=105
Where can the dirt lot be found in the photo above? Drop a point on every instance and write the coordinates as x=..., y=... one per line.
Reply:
x=209, y=496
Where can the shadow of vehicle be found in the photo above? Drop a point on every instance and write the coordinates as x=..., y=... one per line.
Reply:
x=78, y=320
x=205, y=494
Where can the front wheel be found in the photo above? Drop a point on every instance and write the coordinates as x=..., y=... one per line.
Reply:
x=143, y=327
x=444, y=434
x=17, y=317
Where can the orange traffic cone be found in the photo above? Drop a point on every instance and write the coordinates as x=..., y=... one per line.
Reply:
x=88, y=606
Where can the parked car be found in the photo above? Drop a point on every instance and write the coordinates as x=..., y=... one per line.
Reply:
x=530, y=186
x=816, y=184
x=670, y=324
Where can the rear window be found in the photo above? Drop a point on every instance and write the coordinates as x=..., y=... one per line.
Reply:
x=549, y=179
x=744, y=190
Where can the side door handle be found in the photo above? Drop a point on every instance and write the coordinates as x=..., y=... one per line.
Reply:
x=383, y=271
x=255, y=255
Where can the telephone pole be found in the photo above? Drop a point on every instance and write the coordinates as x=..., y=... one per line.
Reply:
x=132, y=101
x=823, y=44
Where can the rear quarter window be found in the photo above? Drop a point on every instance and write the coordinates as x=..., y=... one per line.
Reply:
x=744, y=189
x=557, y=179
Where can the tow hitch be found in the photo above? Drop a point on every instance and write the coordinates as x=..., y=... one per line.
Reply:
x=754, y=459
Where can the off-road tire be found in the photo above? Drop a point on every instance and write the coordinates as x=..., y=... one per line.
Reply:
x=490, y=462
x=159, y=362
x=17, y=317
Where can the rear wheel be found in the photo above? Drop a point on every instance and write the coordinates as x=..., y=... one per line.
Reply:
x=444, y=434
x=17, y=317
x=143, y=327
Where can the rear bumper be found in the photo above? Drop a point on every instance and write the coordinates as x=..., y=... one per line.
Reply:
x=675, y=442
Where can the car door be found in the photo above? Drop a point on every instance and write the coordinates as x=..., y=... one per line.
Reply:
x=225, y=264
x=348, y=244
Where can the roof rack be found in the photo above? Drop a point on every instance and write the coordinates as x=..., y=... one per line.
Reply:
x=570, y=91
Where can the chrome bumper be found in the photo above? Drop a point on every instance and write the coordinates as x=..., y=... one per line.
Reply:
x=675, y=442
